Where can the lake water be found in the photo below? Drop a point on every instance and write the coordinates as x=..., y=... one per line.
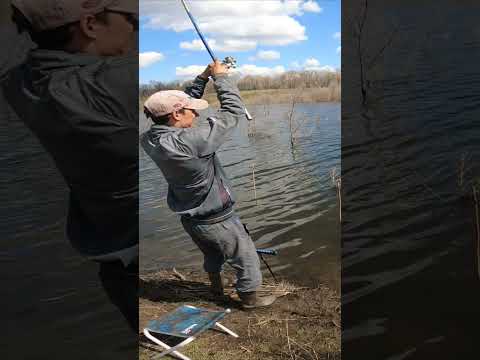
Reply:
x=51, y=298
x=295, y=210
x=410, y=288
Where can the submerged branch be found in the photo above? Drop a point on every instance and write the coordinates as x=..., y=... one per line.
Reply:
x=477, y=226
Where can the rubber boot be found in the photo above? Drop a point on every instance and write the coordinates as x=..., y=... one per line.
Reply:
x=216, y=283
x=250, y=300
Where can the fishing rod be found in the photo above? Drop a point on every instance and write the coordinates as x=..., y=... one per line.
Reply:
x=267, y=251
x=260, y=253
x=229, y=61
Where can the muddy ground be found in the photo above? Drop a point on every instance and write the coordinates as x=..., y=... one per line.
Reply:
x=304, y=323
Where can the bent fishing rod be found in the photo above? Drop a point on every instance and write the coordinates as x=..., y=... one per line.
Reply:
x=229, y=61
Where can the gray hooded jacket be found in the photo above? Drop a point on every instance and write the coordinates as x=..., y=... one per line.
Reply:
x=84, y=111
x=197, y=184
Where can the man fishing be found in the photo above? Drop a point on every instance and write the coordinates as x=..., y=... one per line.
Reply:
x=77, y=92
x=198, y=188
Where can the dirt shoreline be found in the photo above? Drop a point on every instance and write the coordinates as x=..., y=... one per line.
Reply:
x=303, y=324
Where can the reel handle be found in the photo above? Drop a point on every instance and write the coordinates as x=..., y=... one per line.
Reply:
x=230, y=62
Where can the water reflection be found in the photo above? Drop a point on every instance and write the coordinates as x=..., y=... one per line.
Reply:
x=409, y=286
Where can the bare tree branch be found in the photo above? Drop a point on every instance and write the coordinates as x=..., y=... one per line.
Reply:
x=382, y=50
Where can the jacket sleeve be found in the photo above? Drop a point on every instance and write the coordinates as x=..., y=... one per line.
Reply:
x=197, y=88
x=209, y=135
x=18, y=45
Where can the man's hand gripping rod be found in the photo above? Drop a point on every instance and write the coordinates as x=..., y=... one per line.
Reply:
x=229, y=61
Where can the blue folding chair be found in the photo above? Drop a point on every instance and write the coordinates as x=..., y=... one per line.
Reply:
x=185, y=322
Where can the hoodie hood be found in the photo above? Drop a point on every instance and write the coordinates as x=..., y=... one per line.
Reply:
x=157, y=131
x=46, y=61
x=43, y=63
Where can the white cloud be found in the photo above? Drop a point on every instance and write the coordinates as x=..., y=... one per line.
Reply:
x=311, y=64
x=234, y=25
x=312, y=6
x=255, y=70
x=148, y=58
x=326, y=68
x=196, y=45
x=189, y=72
x=267, y=30
x=223, y=46
x=265, y=55
x=337, y=35
x=339, y=50
x=295, y=64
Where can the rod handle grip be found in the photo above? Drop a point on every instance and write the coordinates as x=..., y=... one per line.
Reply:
x=267, y=251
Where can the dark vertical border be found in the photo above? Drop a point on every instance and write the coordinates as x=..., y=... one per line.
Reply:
x=52, y=303
x=410, y=163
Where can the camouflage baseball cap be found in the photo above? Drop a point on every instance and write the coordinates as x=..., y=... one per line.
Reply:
x=50, y=14
x=167, y=101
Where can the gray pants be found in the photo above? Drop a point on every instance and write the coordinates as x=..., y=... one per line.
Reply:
x=227, y=241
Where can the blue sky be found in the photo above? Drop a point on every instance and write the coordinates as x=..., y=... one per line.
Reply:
x=266, y=37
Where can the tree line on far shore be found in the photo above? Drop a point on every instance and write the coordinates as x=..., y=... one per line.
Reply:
x=287, y=80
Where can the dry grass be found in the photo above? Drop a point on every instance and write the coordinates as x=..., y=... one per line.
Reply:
x=281, y=96
x=277, y=96
x=303, y=324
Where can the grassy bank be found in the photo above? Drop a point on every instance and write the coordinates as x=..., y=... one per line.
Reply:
x=303, y=324
x=279, y=96
x=283, y=96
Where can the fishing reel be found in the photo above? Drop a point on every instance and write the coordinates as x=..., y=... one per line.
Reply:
x=230, y=62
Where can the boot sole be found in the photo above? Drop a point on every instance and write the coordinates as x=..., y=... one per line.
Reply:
x=256, y=306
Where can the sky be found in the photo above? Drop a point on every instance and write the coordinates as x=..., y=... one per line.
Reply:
x=266, y=37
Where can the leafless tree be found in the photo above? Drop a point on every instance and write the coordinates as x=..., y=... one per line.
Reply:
x=288, y=80
x=367, y=60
